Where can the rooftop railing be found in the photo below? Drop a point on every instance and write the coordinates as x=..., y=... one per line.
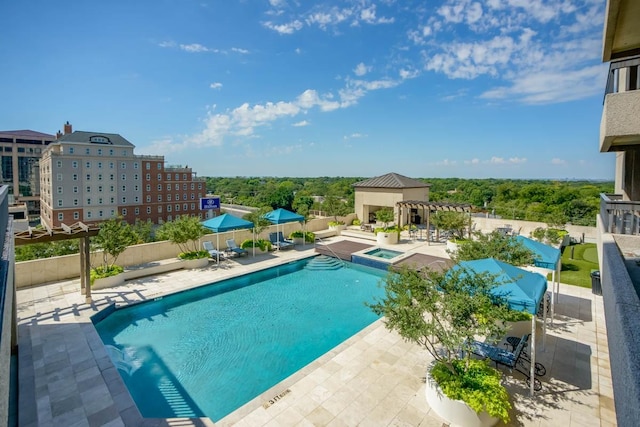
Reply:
x=620, y=216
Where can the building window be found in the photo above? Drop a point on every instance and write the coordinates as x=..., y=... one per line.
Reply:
x=199, y=186
x=147, y=165
x=148, y=209
x=135, y=177
x=148, y=187
x=168, y=208
x=60, y=216
x=193, y=196
x=111, y=188
x=184, y=196
x=71, y=150
x=75, y=202
x=124, y=211
x=99, y=165
x=59, y=190
x=184, y=187
x=124, y=152
x=88, y=189
x=111, y=177
x=168, y=177
x=177, y=207
x=87, y=151
x=159, y=166
x=193, y=187
x=100, y=200
x=123, y=177
x=59, y=163
x=159, y=209
x=185, y=207
x=123, y=165
x=87, y=165
x=59, y=177
x=124, y=188
x=136, y=211
x=193, y=206
x=89, y=201
x=135, y=165
x=100, y=214
x=184, y=176
x=148, y=177
x=112, y=200
x=59, y=203
x=177, y=196
x=169, y=217
x=136, y=199
x=75, y=189
x=100, y=188
x=136, y=188
x=177, y=177
x=177, y=186
x=168, y=197
x=100, y=154
x=124, y=199
x=111, y=152
x=148, y=199
x=111, y=165
x=99, y=177
x=76, y=215
x=159, y=197
x=74, y=164
x=159, y=177
x=88, y=177
x=168, y=187
x=89, y=214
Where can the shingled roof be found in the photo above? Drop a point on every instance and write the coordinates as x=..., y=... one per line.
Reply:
x=85, y=137
x=25, y=133
x=391, y=180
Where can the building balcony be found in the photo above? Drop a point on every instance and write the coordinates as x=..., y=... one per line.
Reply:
x=620, y=124
x=619, y=216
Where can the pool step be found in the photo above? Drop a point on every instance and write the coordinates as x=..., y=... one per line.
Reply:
x=323, y=262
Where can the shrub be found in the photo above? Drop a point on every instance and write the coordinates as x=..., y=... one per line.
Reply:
x=262, y=244
x=193, y=255
x=101, y=272
x=356, y=221
x=335, y=223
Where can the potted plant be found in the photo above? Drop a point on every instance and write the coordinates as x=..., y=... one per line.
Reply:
x=186, y=232
x=298, y=237
x=261, y=245
x=114, y=237
x=444, y=312
x=386, y=235
x=336, y=225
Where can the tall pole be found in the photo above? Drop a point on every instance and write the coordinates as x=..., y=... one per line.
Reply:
x=87, y=270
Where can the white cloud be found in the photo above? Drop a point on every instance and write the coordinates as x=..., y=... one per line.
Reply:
x=361, y=69
x=457, y=11
x=167, y=44
x=557, y=161
x=497, y=160
x=518, y=160
x=408, y=74
x=288, y=28
x=216, y=85
x=194, y=48
x=474, y=161
x=447, y=162
x=368, y=15
x=239, y=50
x=303, y=123
x=277, y=3
x=355, y=135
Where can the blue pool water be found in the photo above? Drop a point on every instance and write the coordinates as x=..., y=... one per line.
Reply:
x=207, y=351
x=383, y=253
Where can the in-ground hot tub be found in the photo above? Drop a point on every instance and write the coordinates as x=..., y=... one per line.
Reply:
x=378, y=257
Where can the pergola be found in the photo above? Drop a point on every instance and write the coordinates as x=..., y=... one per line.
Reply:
x=428, y=207
x=78, y=230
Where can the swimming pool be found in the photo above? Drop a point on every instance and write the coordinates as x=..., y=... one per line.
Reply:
x=207, y=351
x=383, y=253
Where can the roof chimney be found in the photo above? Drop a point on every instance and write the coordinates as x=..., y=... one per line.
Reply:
x=58, y=135
x=67, y=128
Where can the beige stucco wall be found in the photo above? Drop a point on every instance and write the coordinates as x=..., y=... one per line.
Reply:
x=41, y=271
x=578, y=232
x=386, y=197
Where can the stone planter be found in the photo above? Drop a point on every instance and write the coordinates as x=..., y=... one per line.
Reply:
x=298, y=240
x=108, y=282
x=387, y=238
x=190, y=264
x=455, y=412
x=337, y=228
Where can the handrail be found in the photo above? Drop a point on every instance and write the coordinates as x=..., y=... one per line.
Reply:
x=620, y=216
x=613, y=85
x=344, y=264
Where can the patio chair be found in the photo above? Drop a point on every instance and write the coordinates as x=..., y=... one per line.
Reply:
x=235, y=249
x=279, y=244
x=213, y=252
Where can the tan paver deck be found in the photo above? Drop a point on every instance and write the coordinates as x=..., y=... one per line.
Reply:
x=372, y=379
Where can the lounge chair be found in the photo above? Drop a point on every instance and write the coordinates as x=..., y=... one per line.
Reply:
x=235, y=249
x=213, y=252
x=279, y=243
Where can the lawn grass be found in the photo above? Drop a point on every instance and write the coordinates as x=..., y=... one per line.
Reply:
x=577, y=271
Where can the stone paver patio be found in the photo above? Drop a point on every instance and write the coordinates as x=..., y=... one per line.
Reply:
x=372, y=379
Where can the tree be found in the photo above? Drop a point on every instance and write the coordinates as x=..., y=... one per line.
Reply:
x=454, y=222
x=184, y=232
x=444, y=312
x=494, y=245
x=144, y=231
x=385, y=216
x=258, y=219
x=114, y=237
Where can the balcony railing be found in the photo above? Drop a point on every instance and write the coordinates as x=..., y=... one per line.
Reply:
x=623, y=75
x=620, y=216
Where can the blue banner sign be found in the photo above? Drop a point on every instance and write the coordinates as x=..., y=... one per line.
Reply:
x=209, y=203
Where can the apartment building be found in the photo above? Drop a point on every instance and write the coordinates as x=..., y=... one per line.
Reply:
x=93, y=176
x=619, y=219
x=20, y=152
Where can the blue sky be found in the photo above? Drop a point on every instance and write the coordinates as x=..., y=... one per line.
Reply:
x=454, y=88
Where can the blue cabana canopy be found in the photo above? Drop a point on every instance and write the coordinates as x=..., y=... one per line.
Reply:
x=546, y=256
x=281, y=216
x=226, y=222
x=522, y=289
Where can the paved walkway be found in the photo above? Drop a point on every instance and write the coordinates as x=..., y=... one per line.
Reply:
x=372, y=379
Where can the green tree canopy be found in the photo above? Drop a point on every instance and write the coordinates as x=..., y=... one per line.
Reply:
x=114, y=237
x=494, y=245
x=184, y=232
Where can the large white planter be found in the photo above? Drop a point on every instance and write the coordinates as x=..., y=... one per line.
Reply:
x=384, y=238
x=108, y=282
x=298, y=240
x=190, y=264
x=455, y=412
x=337, y=228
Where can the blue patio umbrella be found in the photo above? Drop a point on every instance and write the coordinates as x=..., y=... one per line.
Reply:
x=522, y=290
x=223, y=223
x=282, y=216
